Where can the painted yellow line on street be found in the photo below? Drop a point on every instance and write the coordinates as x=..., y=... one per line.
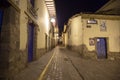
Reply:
x=46, y=67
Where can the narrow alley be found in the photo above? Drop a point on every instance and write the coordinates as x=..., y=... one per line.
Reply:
x=62, y=64
x=59, y=40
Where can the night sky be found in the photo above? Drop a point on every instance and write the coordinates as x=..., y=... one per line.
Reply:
x=67, y=8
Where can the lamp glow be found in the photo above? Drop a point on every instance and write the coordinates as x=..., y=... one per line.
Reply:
x=52, y=20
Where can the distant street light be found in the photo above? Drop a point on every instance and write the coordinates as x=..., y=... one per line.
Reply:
x=52, y=20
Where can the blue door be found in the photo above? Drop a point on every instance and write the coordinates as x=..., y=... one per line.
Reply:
x=30, y=42
x=101, y=48
x=1, y=19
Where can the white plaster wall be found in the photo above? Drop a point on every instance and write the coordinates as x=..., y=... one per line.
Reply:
x=89, y=33
x=76, y=31
x=113, y=34
x=69, y=35
x=43, y=22
x=66, y=39
x=23, y=25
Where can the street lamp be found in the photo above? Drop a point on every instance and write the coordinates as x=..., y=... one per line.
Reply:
x=52, y=20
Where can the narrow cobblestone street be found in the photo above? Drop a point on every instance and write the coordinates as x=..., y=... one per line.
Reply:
x=61, y=68
x=59, y=40
x=68, y=65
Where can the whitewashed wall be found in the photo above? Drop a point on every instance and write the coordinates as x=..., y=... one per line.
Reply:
x=79, y=34
x=23, y=25
x=112, y=33
x=43, y=22
x=75, y=32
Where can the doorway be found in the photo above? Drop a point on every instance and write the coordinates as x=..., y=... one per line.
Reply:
x=1, y=19
x=101, y=48
x=30, y=41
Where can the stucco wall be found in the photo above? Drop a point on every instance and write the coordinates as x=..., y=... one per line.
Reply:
x=80, y=32
x=23, y=25
x=66, y=39
x=112, y=33
x=43, y=22
x=42, y=25
x=75, y=32
x=89, y=33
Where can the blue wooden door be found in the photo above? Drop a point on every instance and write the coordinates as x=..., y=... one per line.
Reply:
x=30, y=42
x=1, y=19
x=101, y=48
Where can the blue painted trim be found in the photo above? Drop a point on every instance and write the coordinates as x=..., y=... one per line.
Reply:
x=30, y=42
x=1, y=19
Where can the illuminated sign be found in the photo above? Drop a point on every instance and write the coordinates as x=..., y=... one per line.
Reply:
x=92, y=21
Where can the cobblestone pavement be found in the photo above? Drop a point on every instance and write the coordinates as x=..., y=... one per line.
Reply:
x=61, y=68
x=68, y=65
x=94, y=69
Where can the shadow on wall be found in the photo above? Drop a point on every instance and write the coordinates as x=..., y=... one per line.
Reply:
x=83, y=51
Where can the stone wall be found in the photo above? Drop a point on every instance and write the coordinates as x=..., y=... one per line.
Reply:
x=9, y=44
x=5, y=44
x=83, y=51
x=40, y=52
x=12, y=58
x=114, y=55
x=78, y=49
x=14, y=55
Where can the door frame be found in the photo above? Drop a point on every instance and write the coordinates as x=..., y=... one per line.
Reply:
x=107, y=44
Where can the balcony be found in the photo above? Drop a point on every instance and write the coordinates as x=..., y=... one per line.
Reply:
x=51, y=7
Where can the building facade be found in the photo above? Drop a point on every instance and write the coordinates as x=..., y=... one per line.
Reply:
x=26, y=33
x=94, y=36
